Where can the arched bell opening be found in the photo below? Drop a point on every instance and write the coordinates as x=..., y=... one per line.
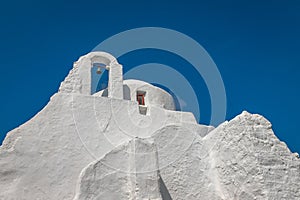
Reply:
x=99, y=77
x=93, y=71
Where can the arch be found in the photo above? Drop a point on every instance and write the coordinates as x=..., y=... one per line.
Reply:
x=99, y=80
x=101, y=57
x=115, y=80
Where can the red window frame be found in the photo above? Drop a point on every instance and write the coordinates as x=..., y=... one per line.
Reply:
x=140, y=97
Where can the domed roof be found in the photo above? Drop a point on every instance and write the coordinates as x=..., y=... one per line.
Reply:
x=153, y=96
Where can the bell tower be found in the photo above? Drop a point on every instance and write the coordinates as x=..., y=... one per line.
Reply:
x=80, y=78
x=115, y=72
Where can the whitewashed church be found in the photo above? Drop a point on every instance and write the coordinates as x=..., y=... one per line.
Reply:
x=128, y=142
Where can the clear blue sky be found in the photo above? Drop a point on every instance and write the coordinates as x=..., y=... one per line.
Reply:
x=254, y=43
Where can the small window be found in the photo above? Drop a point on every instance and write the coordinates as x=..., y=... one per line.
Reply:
x=140, y=97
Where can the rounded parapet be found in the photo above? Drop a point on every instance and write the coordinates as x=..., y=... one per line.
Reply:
x=146, y=94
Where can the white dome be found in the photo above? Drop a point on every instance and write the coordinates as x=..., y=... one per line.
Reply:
x=153, y=96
